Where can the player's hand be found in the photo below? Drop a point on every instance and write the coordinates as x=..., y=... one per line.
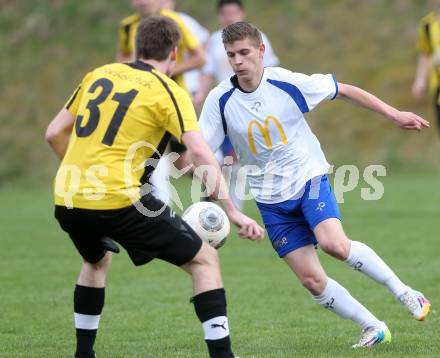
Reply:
x=247, y=227
x=409, y=120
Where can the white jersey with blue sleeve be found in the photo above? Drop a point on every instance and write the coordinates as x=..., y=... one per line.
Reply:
x=268, y=131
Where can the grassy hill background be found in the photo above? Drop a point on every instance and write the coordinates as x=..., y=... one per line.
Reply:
x=47, y=46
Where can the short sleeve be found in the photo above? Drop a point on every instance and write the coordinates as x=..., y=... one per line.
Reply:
x=180, y=114
x=316, y=88
x=210, y=122
x=188, y=41
x=73, y=102
x=423, y=43
x=196, y=29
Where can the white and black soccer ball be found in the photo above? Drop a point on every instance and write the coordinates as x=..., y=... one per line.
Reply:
x=209, y=221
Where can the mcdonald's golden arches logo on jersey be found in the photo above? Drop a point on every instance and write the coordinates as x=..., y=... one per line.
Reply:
x=265, y=132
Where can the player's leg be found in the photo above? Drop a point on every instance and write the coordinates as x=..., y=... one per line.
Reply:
x=331, y=295
x=321, y=211
x=90, y=288
x=88, y=304
x=362, y=258
x=167, y=237
x=209, y=296
x=293, y=240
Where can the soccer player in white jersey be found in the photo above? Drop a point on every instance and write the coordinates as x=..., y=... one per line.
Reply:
x=262, y=111
x=217, y=67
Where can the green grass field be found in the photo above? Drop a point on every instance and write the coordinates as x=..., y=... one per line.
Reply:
x=148, y=314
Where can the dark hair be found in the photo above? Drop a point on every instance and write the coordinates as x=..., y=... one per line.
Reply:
x=240, y=31
x=156, y=36
x=222, y=3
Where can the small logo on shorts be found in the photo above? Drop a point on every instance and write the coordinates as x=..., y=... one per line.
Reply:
x=278, y=244
x=320, y=206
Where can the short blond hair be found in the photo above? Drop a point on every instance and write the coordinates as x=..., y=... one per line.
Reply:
x=240, y=31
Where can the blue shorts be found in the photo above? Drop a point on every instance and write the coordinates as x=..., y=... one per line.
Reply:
x=290, y=223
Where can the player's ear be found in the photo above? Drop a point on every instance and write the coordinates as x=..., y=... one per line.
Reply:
x=261, y=49
x=173, y=54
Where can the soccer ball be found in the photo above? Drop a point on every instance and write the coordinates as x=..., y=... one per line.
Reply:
x=209, y=221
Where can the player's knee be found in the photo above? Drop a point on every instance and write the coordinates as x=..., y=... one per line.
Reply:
x=336, y=247
x=101, y=265
x=314, y=283
x=207, y=258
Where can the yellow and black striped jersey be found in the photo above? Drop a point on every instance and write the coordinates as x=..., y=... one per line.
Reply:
x=124, y=117
x=428, y=43
x=127, y=32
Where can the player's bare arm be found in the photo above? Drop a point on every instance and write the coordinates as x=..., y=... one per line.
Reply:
x=424, y=65
x=201, y=154
x=196, y=59
x=405, y=120
x=206, y=82
x=58, y=132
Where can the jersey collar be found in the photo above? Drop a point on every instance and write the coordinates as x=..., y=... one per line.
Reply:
x=234, y=81
x=139, y=65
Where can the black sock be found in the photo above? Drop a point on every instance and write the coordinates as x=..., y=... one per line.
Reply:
x=211, y=306
x=87, y=303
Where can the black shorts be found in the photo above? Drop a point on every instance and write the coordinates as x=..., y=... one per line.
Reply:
x=176, y=147
x=166, y=236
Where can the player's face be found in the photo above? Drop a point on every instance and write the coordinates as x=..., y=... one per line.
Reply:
x=230, y=14
x=147, y=7
x=246, y=59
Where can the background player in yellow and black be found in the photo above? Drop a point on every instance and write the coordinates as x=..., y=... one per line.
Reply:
x=428, y=65
x=116, y=106
x=190, y=55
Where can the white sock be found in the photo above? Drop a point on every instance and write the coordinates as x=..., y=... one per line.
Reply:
x=362, y=258
x=337, y=299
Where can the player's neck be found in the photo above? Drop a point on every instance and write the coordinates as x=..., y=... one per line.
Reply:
x=253, y=83
x=161, y=66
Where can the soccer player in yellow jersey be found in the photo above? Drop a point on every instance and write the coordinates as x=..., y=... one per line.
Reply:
x=120, y=116
x=428, y=66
